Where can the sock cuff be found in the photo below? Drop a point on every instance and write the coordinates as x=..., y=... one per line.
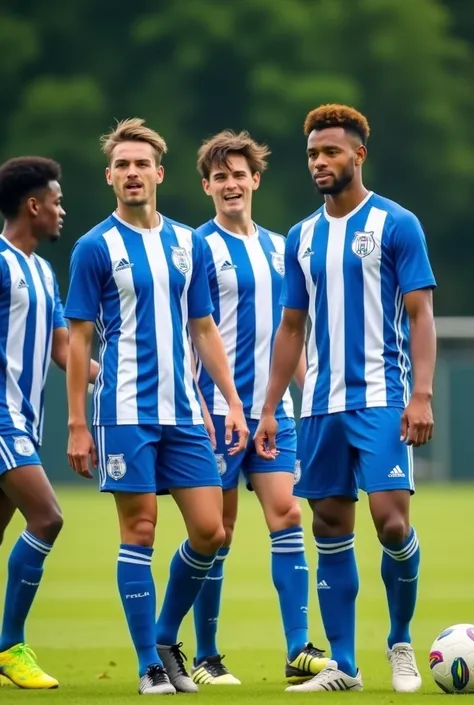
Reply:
x=222, y=553
x=139, y=555
x=194, y=559
x=35, y=543
x=332, y=546
x=288, y=540
x=405, y=550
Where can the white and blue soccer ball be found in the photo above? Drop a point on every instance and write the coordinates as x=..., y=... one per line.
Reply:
x=452, y=659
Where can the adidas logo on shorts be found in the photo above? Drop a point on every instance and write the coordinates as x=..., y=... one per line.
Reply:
x=396, y=472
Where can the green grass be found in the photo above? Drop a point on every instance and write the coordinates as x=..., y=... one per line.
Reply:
x=79, y=634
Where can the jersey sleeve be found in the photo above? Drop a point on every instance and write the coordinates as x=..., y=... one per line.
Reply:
x=86, y=277
x=412, y=264
x=294, y=293
x=58, y=315
x=199, y=295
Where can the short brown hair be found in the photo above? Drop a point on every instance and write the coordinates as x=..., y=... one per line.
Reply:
x=218, y=149
x=334, y=115
x=133, y=130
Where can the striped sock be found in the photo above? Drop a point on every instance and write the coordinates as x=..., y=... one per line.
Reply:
x=207, y=608
x=338, y=585
x=25, y=570
x=188, y=570
x=400, y=566
x=137, y=591
x=291, y=580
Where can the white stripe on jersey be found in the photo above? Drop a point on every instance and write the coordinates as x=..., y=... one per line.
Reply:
x=127, y=364
x=41, y=342
x=376, y=393
x=184, y=237
x=312, y=372
x=228, y=312
x=336, y=313
x=15, y=344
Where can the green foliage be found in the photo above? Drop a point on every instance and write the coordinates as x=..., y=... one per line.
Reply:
x=194, y=67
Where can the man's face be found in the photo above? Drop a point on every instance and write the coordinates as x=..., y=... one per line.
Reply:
x=134, y=174
x=47, y=212
x=332, y=158
x=231, y=186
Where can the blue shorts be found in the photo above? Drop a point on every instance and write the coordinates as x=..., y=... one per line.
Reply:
x=154, y=459
x=340, y=453
x=248, y=461
x=17, y=448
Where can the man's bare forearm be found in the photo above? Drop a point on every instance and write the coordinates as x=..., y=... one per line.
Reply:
x=287, y=351
x=212, y=353
x=423, y=353
x=78, y=373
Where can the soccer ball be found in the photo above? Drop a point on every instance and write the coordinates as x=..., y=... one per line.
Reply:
x=452, y=659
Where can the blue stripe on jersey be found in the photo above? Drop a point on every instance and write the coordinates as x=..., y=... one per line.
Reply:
x=26, y=378
x=319, y=247
x=268, y=247
x=354, y=320
x=352, y=274
x=49, y=326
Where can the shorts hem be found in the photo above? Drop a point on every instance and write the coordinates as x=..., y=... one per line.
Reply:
x=131, y=490
x=324, y=495
x=187, y=486
x=263, y=471
x=387, y=488
x=21, y=464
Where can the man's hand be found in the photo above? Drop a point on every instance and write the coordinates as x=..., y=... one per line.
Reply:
x=417, y=421
x=80, y=446
x=265, y=435
x=235, y=423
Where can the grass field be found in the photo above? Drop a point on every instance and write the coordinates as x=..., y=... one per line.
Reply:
x=78, y=630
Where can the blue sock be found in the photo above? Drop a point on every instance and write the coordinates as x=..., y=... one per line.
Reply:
x=207, y=607
x=291, y=580
x=188, y=569
x=137, y=591
x=338, y=585
x=25, y=570
x=400, y=566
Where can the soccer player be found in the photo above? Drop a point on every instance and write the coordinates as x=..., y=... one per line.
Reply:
x=139, y=277
x=32, y=331
x=359, y=266
x=245, y=267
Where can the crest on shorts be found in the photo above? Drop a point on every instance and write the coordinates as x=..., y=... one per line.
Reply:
x=221, y=463
x=278, y=262
x=23, y=445
x=363, y=243
x=297, y=472
x=180, y=259
x=116, y=466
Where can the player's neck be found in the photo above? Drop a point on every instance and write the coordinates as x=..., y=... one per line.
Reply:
x=144, y=217
x=19, y=237
x=243, y=225
x=341, y=204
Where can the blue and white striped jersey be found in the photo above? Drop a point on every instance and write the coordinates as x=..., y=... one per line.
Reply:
x=30, y=309
x=245, y=274
x=351, y=275
x=139, y=287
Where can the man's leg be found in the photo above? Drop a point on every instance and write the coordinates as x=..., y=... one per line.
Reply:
x=7, y=510
x=27, y=488
x=387, y=476
x=328, y=482
x=127, y=460
x=189, y=469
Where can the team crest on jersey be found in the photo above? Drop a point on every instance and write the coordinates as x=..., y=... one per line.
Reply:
x=116, y=466
x=23, y=445
x=363, y=243
x=297, y=472
x=278, y=262
x=180, y=259
x=221, y=463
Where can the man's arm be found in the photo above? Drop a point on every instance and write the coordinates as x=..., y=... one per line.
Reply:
x=59, y=352
x=288, y=350
x=77, y=379
x=210, y=348
x=300, y=373
x=205, y=411
x=417, y=422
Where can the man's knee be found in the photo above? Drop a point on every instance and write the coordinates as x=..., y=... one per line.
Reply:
x=283, y=514
x=393, y=529
x=333, y=517
x=47, y=525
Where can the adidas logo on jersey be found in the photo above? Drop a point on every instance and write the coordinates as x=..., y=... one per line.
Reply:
x=227, y=265
x=396, y=472
x=322, y=585
x=122, y=264
x=308, y=252
x=22, y=284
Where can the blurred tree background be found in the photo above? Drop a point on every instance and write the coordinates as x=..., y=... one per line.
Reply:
x=193, y=67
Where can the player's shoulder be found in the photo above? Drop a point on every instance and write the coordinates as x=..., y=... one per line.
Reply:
x=206, y=229
x=94, y=238
x=396, y=213
x=45, y=265
x=276, y=237
x=170, y=224
x=295, y=230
